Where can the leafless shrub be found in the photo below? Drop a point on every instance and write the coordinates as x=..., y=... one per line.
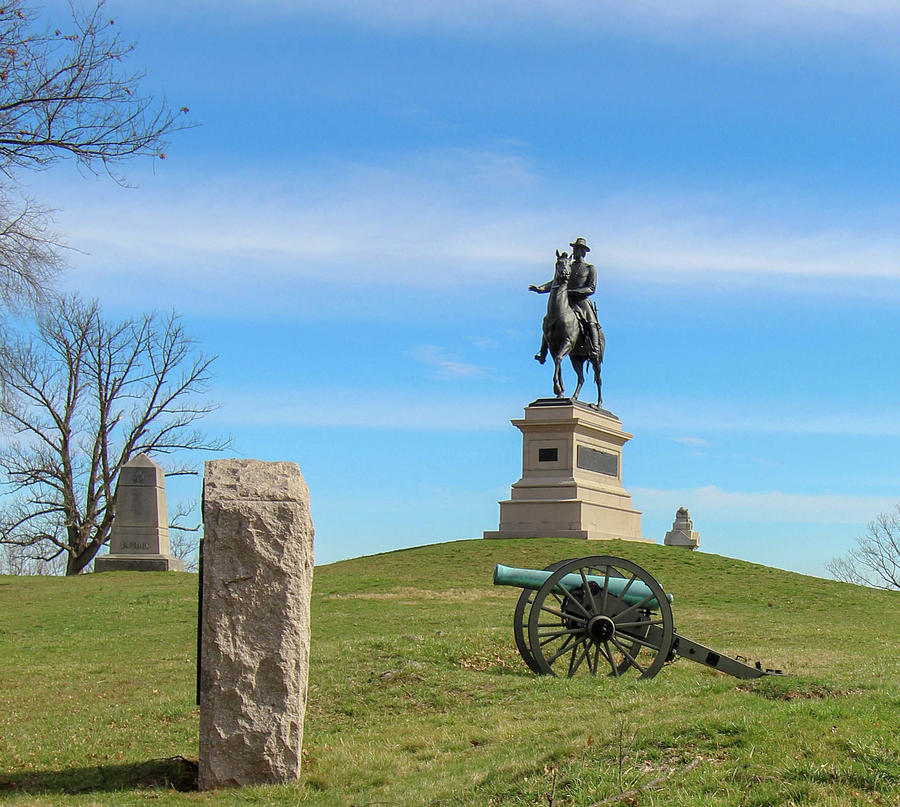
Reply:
x=874, y=559
x=184, y=535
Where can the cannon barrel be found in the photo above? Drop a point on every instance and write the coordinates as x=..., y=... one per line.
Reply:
x=534, y=578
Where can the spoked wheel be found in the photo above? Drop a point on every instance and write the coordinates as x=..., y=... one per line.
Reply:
x=600, y=614
x=520, y=620
x=520, y=625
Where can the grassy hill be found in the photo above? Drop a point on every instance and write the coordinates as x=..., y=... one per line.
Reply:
x=418, y=697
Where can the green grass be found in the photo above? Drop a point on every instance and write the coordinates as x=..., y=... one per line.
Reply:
x=417, y=695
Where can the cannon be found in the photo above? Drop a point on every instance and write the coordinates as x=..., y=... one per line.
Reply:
x=603, y=613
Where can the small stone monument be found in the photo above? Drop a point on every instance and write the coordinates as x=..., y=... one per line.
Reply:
x=682, y=532
x=139, y=540
x=254, y=628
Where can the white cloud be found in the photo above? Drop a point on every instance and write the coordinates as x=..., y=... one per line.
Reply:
x=368, y=409
x=693, y=442
x=452, y=219
x=699, y=18
x=714, y=504
x=372, y=407
x=445, y=367
x=776, y=416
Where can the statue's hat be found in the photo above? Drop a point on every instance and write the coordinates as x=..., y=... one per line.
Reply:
x=580, y=242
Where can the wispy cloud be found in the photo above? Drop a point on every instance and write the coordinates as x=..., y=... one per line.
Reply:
x=444, y=367
x=700, y=18
x=711, y=415
x=374, y=408
x=365, y=409
x=693, y=442
x=714, y=503
x=490, y=219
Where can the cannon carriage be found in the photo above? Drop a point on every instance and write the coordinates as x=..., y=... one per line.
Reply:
x=603, y=614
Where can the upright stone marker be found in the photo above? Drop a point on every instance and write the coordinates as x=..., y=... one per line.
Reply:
x=139, y=540
x=683, y=532
x=254, y=645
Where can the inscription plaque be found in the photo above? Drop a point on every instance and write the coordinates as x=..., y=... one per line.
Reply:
x=589, y=459
x=548, y=454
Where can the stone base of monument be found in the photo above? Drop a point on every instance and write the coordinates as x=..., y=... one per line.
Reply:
x=138, y=563
x=687, y=540
x=571, y=485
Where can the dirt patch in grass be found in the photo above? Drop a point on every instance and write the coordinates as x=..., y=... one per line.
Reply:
x=483, y=662
x=789, y=688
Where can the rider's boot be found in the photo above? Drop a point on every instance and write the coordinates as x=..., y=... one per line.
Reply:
x=592, y=336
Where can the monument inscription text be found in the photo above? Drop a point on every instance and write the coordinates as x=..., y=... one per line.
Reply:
x=601, y=462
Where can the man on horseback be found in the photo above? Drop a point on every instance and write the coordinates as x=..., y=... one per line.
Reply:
x=582, y=283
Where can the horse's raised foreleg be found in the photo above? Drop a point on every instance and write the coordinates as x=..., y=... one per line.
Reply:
x=578, y=366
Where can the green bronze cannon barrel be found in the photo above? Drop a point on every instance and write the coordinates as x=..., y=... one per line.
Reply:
x=533, y=579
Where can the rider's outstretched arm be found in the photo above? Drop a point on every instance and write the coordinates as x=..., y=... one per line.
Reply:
x=544, y=288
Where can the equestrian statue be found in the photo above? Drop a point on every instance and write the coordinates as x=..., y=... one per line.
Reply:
x=570, y=326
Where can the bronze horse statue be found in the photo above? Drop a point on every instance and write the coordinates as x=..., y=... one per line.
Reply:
x=563, y=333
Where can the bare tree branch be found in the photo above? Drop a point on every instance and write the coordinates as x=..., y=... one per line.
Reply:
x=16, y=560
x=66, y=92
x=83, y=396
x=183, y=541
x=29, y=250
x=874, y=559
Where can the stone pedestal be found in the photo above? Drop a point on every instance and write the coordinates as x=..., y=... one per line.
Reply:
x=683, y=533
x=571, y=485
x=139, y=540
x=254, y=630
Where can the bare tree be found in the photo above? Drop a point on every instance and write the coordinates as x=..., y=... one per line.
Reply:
x=15, y=560
x=84, y=395
x=65, y=93
x=184, y=535
x=874, y=559
x=29, y=258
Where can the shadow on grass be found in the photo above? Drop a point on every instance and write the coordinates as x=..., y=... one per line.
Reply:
x=175, y=773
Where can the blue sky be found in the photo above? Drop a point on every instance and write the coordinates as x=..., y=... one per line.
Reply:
x=353, y=226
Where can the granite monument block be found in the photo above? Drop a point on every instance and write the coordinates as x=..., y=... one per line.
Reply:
x=254, y=632
x=139, y=539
